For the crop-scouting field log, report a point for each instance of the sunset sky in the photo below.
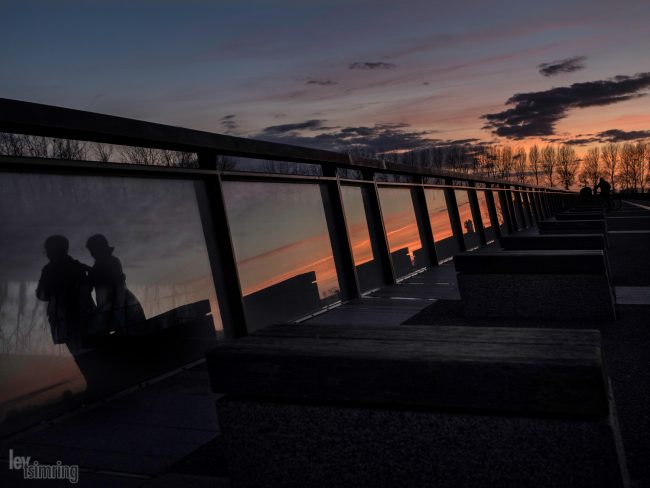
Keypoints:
(390, 75)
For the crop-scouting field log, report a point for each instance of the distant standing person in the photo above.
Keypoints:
(64, 285)
(118, 310)
(605, 191)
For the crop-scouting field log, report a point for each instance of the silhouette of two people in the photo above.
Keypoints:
(67, 284)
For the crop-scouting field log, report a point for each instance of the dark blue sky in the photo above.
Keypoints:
(388, 74)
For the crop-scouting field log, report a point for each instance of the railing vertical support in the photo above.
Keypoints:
(520, 206)
(506, 207)
(376, 228)
(424, 224)
(454, 215)
(492, 211)
(223, 262)
(340, 239)
(479, 228)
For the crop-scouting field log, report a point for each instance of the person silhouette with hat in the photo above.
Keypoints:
(118, 310)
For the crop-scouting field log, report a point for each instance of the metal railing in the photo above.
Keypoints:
(518, 205)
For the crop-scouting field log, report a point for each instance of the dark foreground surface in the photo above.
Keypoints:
(166, 433)
(626, 345)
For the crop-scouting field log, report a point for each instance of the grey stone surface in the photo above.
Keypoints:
(547, 296)
(571, 226)
(143, 432)
(516, 371)
(554, 242)
(633, 295)
(580, 216)
(174, 480)
(304, 445)
(628, 223)
(629, 257)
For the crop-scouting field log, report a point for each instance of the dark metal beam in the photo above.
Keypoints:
(46, 120)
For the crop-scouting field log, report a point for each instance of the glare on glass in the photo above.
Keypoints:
(443, 236)
(283, 250)
(466, 219)
(368, 267)
(485, 215)
(401, 230)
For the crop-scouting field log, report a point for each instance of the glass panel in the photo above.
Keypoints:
(364, 249)
(104, 282)
(527, 196)
(401, 230)
(466, 219)
(522, 215)
(519, 218)
(283, 250)
(485, 215)
(499, 210)
(443, 236)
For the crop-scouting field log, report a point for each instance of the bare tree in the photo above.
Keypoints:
(640, 165)
(535, 162)
(13, 144)
(103, 152)
(548, 163)
(610, 157)
(140, 155)
(68, 149)
(456, 158)
(504, 162)
(521, 166)
(567, 165)
(633, 166)
(591, 168)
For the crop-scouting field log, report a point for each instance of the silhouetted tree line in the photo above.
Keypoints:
(626, 166)
(54, 148)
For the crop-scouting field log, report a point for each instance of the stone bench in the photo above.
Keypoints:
(406, 406)
(580, 216)
(560, 284)
(553, 242)
(628, 257)
(572, 226)
(628, 223)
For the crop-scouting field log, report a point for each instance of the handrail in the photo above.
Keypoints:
(46, 120)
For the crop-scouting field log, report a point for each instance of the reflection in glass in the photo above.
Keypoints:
(518, 217)
(499, 211)
(485, 215)
(104, 282)
(529, 203)
(466, 219)
(401, 230)
(368, 266)
(284, 255)
(520, 210)
(443, 236)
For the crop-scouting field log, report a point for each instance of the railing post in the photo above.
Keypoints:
(532, 207)
(538, 206)
(492, 210)
(340, 239)
(509, 212)
(376, 227)
(424, 224)
(520, 206)
(454, 215)
(476, 214)
(544, 199)
(221, 254)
